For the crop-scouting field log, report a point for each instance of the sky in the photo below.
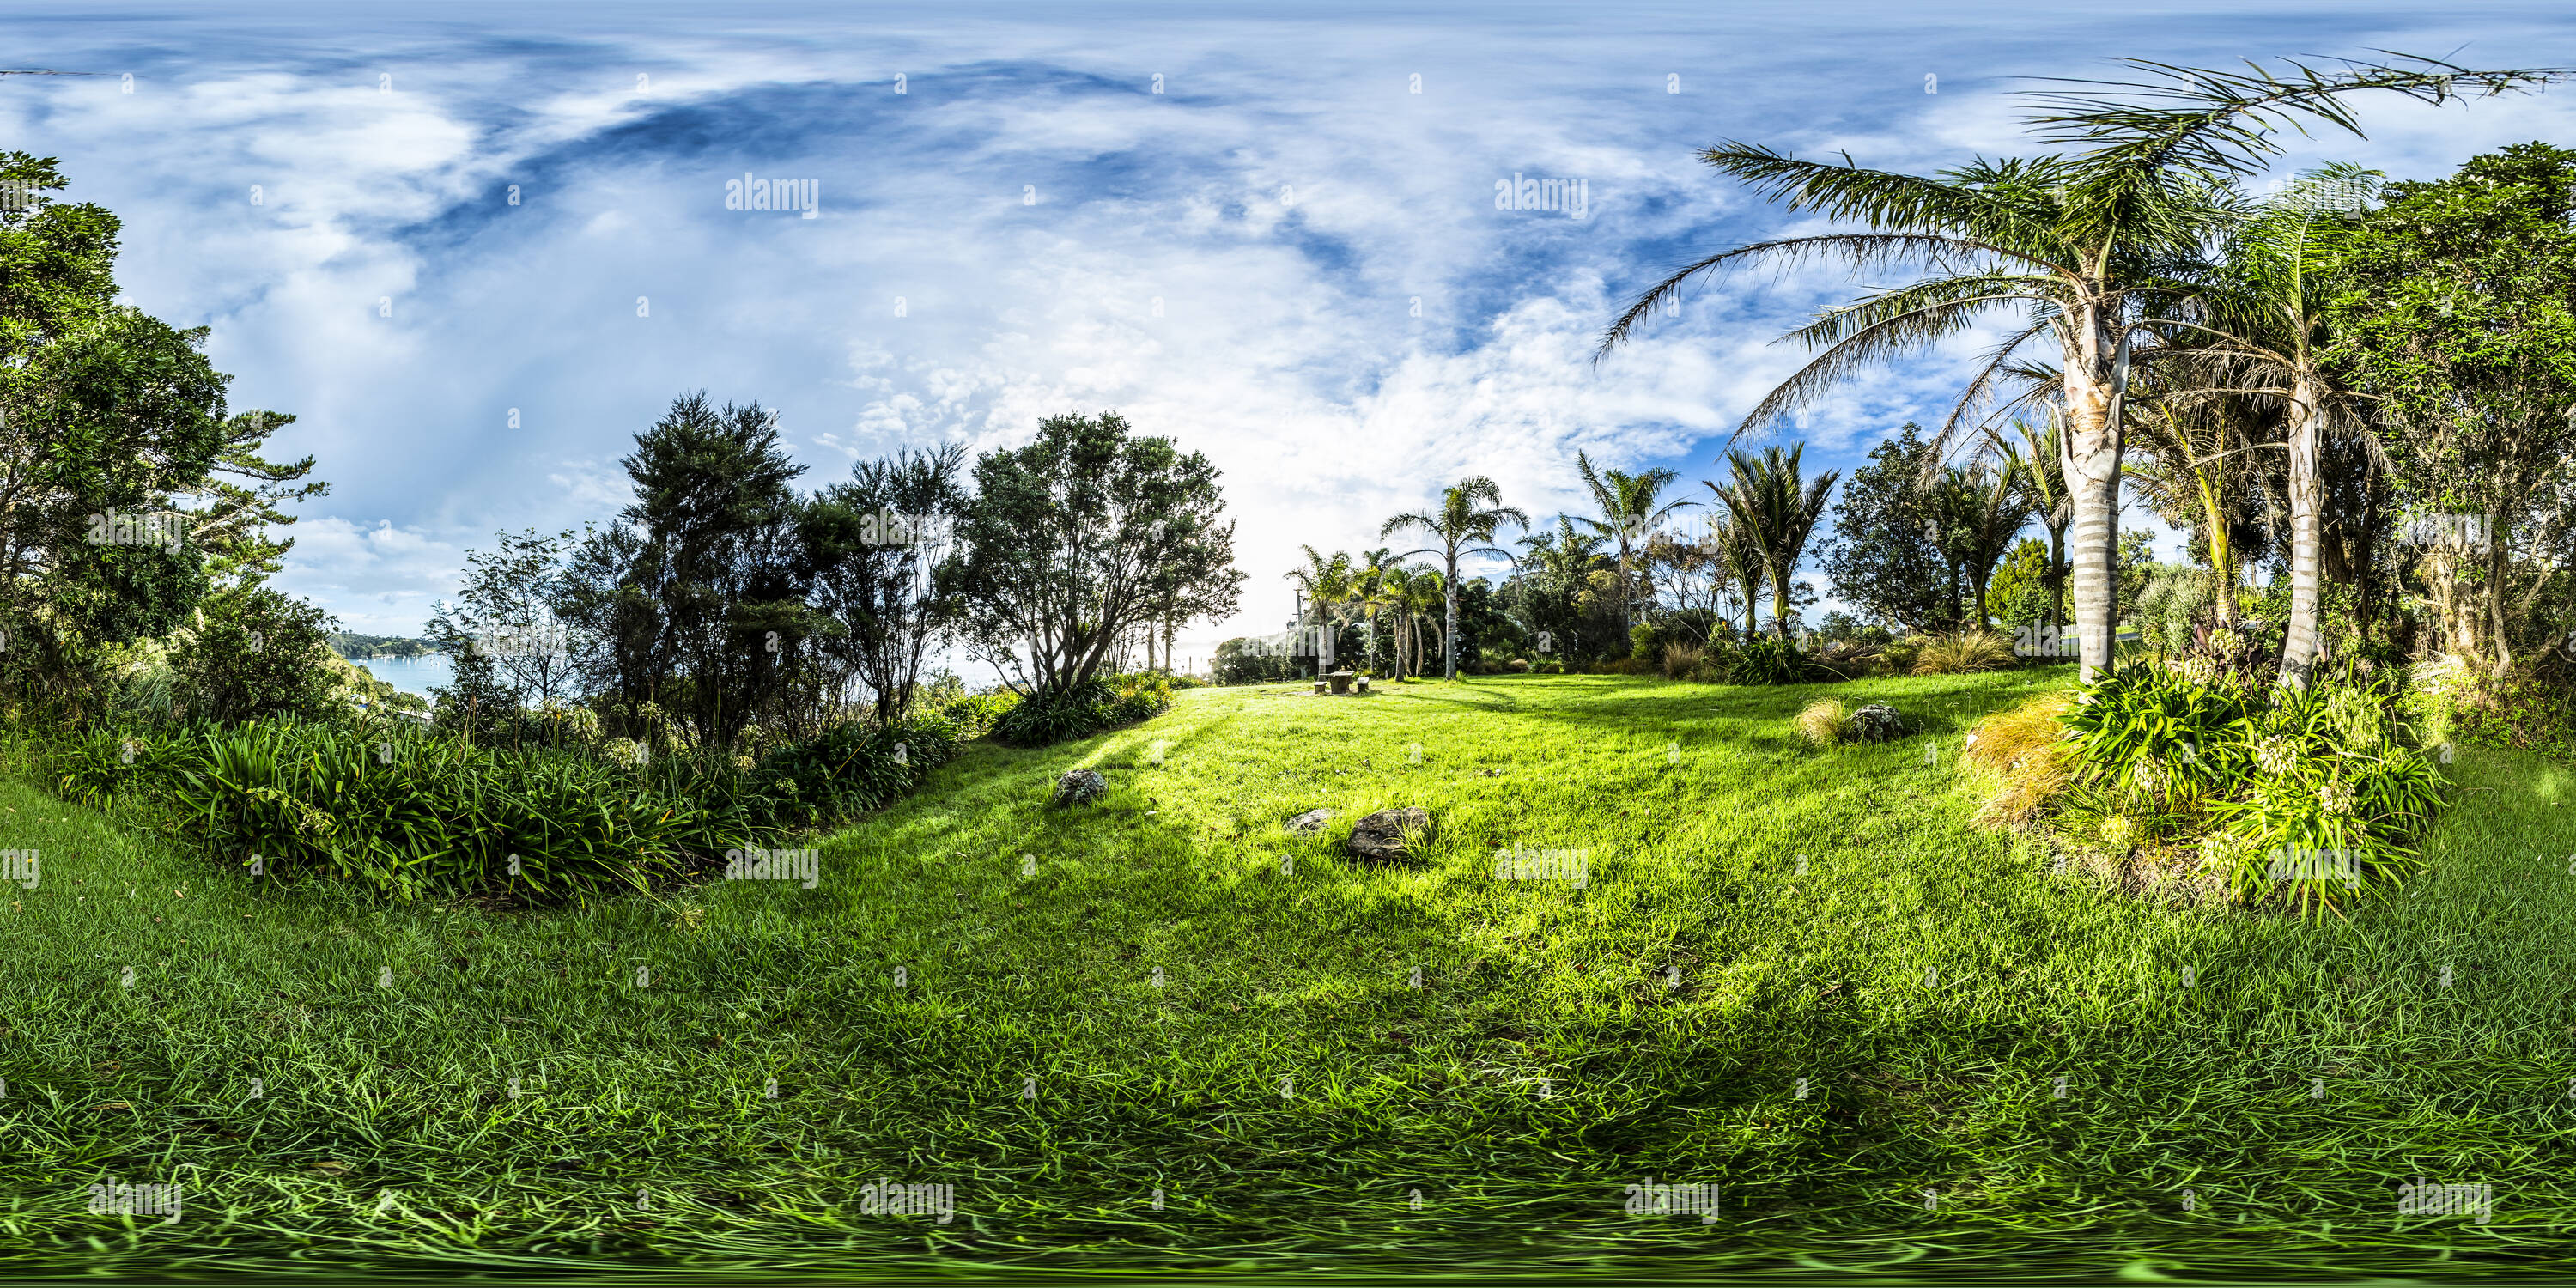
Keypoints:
(475, 248)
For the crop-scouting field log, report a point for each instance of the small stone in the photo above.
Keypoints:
(1078, 786)
(1310, 822)
(1877, 722)
(1385, 834)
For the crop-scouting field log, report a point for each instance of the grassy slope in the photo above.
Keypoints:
(1543, 1064)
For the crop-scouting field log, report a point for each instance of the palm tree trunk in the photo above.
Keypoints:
(2299, 647)
(2057, 583)
(2093, 410)
(1449, 631)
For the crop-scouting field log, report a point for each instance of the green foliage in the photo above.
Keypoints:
(1884, 558)
(412, 816)
(255, 653)
(2019, 595)
(1083, 536)
(1645, 643)
(1765, 659)
(1095, 706)
(852, 768)
(2182, 750)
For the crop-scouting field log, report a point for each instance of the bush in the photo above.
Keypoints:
(255, 653)
(1099, 704)
(412, 815)
(1821, 724)
(2179, 751)
(850, 769)
(2026, 754)
(977, 713)
(1963, 653)
(1845, 659)
(1767, 659)
(1680, 660)
(1645, 643)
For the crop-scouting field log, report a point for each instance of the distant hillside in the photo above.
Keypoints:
(358, 646)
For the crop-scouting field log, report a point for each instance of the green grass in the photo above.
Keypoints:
(1545, 1062)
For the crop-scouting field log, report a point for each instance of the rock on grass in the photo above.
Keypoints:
(1384, 835)
(1078, 786)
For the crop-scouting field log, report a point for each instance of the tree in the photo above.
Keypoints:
(1784, 510)
(1886, 558)
(1738, 544)
(106, 414)
(1080, 537)
(872, 551)
(2040, 456)
(1469, 515)
(2458, 319)
(506, 613)
(693, 598)
(1327, 585)
(1628, 512)
(2084, 243)
(1985, 509)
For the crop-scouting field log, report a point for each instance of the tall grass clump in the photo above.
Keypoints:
(1963, 653)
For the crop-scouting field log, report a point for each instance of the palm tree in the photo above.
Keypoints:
(1461, 528)
(2192, 443)
(2084, 244)
(2268, 312)
(1368, 590)
(1628, 510)
(2040, 456)
(1738, 543)
(1781, 510)
(1987, 509)
(1424, 589)
(1327, 583)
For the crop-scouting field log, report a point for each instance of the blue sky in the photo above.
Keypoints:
(1345, 321)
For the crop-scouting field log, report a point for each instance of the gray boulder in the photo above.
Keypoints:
(1383, 836)
(1310, 822)
(1877, 722)
(1078, 786)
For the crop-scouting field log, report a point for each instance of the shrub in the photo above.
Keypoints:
(255, 653)
(1900, 655)
(1767, 659)
(977, 713)
(1682, 659)
(1644, 643)
(411, 815)
(1094, 706)
(2326, 767)
(851, 768)
(1963, 653)
(1821, 724)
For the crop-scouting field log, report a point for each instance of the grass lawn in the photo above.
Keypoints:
(1156, 1029)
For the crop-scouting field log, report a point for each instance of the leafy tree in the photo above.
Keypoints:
(1469, 515)
(1081, 537)
(2020, 593)
(506, 617)
(105, 414)
(2459, 322)
(255, 652)
(871, 551)
(1982, 511)
(1886, 557)
(693, 599)
(2086, 246)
